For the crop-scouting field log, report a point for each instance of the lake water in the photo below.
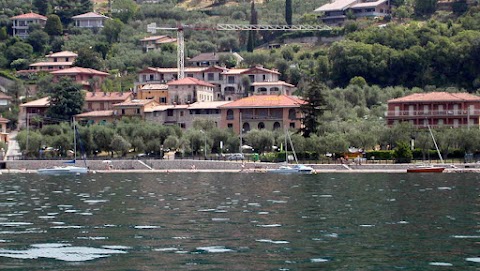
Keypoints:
(200, 221)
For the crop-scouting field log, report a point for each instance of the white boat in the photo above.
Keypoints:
(295, 169)
(63, 170)
(291, 169)
(58, 170)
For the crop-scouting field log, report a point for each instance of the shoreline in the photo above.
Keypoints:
(244, 171)
(213, 166)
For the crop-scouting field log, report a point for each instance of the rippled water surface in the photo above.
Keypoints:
(200, 221)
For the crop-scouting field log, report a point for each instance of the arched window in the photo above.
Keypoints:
(292, 114)
(274, 90)
(230, 114)
(276, 125)
(246, 127)
(262, 90)
(261, 126)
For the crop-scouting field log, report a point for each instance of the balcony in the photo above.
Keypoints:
(415, 114)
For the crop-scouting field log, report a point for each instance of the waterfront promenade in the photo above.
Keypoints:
(152, 166)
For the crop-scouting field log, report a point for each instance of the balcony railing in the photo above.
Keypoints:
(434, 113)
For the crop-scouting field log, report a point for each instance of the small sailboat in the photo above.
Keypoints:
(291, 169)
(428, 168)
(70, 169)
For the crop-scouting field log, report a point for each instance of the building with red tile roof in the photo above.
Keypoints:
(133, 108)
(436, 109)
(21, 23)
(262, 112)
(32, 109)
(53, 62)
(90, 79)
(90, 20)
(156, 42)
(100, 101)
(229, 83)
(189, 90)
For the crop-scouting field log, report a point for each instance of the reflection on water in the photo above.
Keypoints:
(203, 221)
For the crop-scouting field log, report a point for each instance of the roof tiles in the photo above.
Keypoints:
(436, 97)
(267, 101)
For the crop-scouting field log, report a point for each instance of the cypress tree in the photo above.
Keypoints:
(252, 34)
(288, 11)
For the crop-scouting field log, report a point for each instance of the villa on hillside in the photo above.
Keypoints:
(211, 59)
(156, 42)
(32, 110)
(22, 23)
(336, 13)
(437, 109)
(229, 84)
(53, 62)
(99, 101)
(90, 79)
(90, 20)
(270, 112)
(183, 116)
(189, 90)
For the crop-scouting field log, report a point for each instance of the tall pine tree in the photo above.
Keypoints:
(252, 34)
(314, 107)
(288, 11)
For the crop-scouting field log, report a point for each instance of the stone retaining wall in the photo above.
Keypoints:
(199, 164)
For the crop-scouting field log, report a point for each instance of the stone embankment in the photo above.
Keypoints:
(213, 166)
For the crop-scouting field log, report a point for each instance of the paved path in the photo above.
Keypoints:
(13, 150)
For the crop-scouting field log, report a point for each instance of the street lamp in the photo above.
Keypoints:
(205, 144)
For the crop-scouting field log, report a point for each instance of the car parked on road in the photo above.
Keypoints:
(236, 156)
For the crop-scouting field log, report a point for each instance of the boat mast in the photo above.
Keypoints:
(74, 142)
(435, 143)
(293, 149)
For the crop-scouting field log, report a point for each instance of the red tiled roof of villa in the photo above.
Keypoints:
(269, 101)
(97, 113)
(79, 70)
(107, 96)
(90, 15)
(436, 97)
(29, 15)
(62, 54)
(188, 81)
(135, 103)
(42, 102)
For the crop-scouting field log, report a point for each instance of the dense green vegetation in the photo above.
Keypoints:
(417, 49)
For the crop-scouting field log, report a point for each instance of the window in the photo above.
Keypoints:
(123, 111)
(292, 114)
(230, 115)
(151, 77)
(292, 124)
(181, 113)
(261, 126)
(211, 76)
(246, 127)
(231, 80)
(230, 126)
(170, 112)
(276, 125)
(138, 111)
